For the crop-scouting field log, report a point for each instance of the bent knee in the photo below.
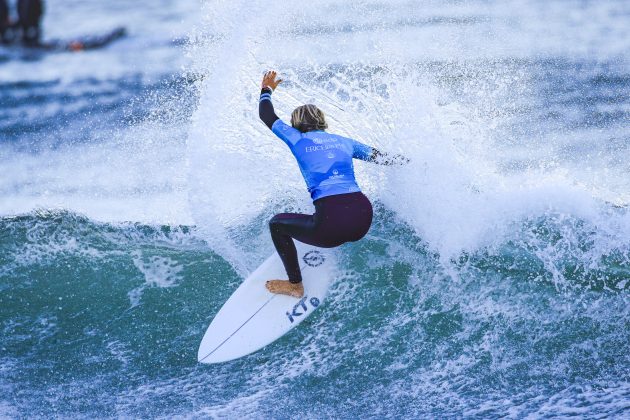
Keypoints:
(278, 222)
(274, 224)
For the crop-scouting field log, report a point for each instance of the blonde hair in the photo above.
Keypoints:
(308, 118)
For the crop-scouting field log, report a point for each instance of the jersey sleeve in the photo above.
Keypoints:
(287, 133)
(265, 107)
(361, 151)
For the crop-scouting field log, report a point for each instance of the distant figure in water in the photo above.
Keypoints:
(27, 30)
(342, 213)
(30, 14)
(6, 34)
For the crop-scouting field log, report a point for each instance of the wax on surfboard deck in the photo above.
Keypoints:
(253, 317)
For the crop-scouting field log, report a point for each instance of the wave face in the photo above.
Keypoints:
(102, 319)
(494, 281)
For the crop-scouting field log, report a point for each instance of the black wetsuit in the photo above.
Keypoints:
(29, 14)
(342, 213)
(338, 219)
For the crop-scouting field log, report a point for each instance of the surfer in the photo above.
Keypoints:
(342, 213)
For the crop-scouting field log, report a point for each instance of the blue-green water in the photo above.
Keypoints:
(105, 320)
(136, 184)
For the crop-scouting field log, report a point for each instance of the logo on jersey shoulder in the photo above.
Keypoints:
(331, 155)
(318, 140)
(314, 258)
(301, 307)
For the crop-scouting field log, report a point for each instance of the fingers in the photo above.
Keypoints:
(270, 75)
(269, 79)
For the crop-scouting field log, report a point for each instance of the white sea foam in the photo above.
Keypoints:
(157, 271)
(137, 176)
(459, 194)
(8, 411)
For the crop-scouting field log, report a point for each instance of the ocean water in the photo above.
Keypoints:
(136, 183)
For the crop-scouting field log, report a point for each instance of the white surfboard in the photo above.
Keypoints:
(253, 317)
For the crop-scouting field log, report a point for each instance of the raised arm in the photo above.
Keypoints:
(265, 108)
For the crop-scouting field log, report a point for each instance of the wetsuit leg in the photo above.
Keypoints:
(284, 227)
(4, 21)
(30, 13)
(338, 219)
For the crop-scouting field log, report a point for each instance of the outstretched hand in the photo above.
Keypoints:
(269, 80)
(386, 159)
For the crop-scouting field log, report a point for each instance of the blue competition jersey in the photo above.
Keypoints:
(324, 159)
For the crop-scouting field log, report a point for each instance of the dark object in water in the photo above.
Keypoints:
(5, 24)
(89, 42)
(30, 14)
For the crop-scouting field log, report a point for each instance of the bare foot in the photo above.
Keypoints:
(285, 287)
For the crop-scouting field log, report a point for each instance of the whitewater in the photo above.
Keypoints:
(136, 184)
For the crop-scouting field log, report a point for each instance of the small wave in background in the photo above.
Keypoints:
(137, 182)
